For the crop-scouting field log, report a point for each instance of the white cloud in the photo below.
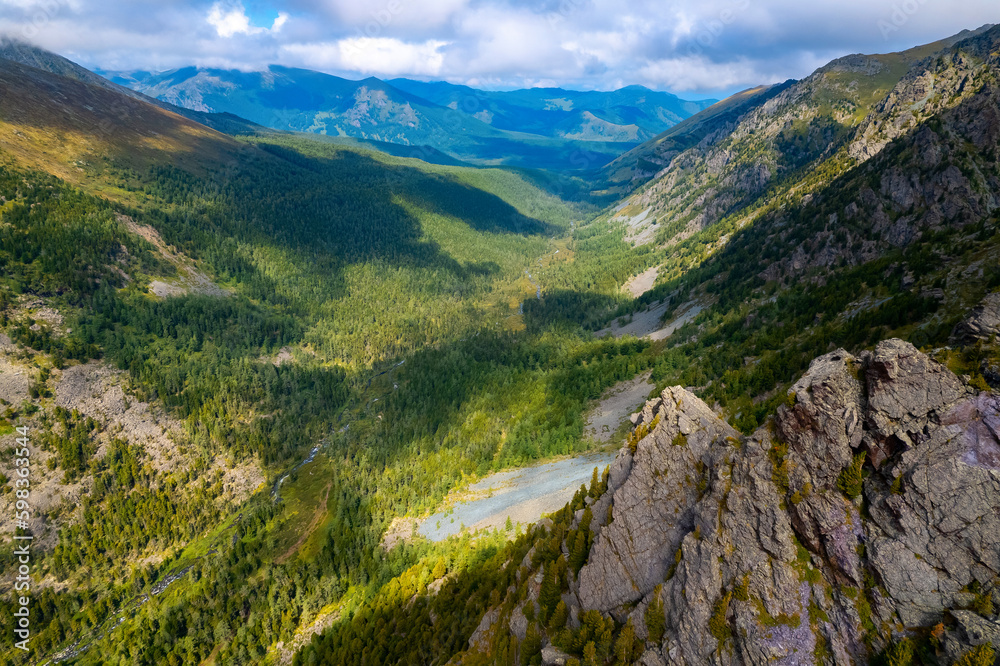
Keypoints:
(231, 19)
(381, 56)
(504, 42)
(688, 73)
(374, 18)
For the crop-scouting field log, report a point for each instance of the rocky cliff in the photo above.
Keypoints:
(796, 138)
(862, 521)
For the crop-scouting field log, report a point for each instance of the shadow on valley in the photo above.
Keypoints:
(568, 306)
(354, 194)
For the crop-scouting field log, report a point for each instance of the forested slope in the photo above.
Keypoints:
(251, 290)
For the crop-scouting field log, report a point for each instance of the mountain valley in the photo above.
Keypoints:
(262, 369)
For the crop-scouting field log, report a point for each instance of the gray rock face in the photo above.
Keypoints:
(938, 532)
(553, 657)
(939, 84)
(983, 323)
(754, 551)
(977, 629)
(628, 558)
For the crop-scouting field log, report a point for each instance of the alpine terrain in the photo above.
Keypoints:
(305, 370)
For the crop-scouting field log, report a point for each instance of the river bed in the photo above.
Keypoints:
(523, 495)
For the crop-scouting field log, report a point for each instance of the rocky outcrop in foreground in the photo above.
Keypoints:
(866, 511)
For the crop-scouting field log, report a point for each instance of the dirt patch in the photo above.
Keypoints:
(283, 356)
(641, 283)
(53, 503)
(401, 530)
(647, 324)
(97, 390)
(41, 315)
(686, 313)
(317, 519)
(14, 381)
(239, 482)
(642, 323)
(189, 279)
(615, 406)
(287, 652)
(639, 229)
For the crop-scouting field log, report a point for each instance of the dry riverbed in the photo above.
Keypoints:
(615, 406)
(522, 495)
(647, 324)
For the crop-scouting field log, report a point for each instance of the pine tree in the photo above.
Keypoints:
(440, 569)
(625, 645)
(656, 620)
(559, 617)
(579, 552)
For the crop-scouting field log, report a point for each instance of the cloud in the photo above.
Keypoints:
(371, 55)
(403, 18)
(230, 19)
(702, 47)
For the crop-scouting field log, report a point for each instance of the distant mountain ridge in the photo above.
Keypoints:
(557, 111)
(548, 127)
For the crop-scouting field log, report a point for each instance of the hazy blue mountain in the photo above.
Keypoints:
(630, 114)
(550, 128)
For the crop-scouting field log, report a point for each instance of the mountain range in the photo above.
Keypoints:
(537, 127)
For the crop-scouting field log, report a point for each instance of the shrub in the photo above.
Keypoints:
(851, 479)
(982, 655)
(717, 625)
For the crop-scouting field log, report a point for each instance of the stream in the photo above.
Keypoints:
(277, 484)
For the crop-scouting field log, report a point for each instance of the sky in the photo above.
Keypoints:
(695, 48)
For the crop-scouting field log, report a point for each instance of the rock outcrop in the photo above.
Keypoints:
(869, 507)
(983, 323)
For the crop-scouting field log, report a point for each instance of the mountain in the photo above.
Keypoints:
(643, 162)
(534, 128)
(32, 56)
(254, 367)
(633, 113)
(759, 148)
(815, 479)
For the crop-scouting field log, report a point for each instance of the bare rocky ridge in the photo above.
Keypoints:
(189, 279)
(757, 552)
(842, 115)
(98, 390)
(940, 83)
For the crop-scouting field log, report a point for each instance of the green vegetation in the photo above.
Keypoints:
(718, 625)
(291, 235)
(851, 479)
(778, 455)
(982, 655)
(655, 619)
